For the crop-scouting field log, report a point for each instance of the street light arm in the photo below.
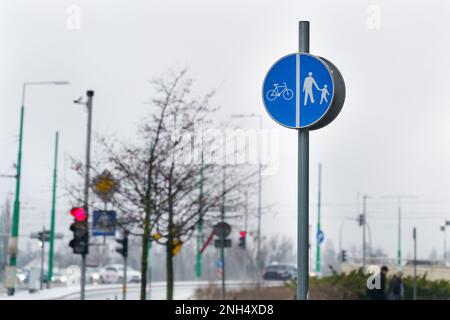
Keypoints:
(37, 83)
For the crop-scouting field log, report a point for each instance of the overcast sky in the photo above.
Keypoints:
(391, 138)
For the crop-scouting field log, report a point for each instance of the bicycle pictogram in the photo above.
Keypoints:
(279, 90)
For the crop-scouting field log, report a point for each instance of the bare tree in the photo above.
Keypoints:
(160, 173)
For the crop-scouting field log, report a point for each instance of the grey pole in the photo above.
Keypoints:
(415, 265)
(89, 94)
(303, 190)
(124, 287)
(364, 234)
(443, 229)
(245, 230)
(445, 244)
(41, 280)
(258, 252)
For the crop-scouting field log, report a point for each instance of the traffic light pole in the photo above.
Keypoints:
(124, 286)
(303, 190)
(89, 94)
(52, 222)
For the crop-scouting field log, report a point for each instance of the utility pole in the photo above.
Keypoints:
(13, 242)
(364, 222)
(52, 221)
(399, 226)
(443, 229)
(415, 265)
(88, 105)
(445, 245)
(89, 94)
(42, 245)
(318, 221)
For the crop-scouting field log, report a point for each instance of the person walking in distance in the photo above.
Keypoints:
(379, 292)
(396, 289)
(308, 84)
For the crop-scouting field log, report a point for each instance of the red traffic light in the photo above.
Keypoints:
(242, 234)
(79, 214)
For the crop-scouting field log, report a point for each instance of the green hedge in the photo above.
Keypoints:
(352, 286)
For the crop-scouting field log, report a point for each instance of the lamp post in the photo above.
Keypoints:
(399, 225)
(11, 271)
(88, 105)
(364, 221)
(443, 229)
(258, 237)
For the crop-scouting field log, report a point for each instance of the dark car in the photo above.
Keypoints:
(280, 272)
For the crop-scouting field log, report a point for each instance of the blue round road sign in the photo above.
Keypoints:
(298, 90)
(320, 236)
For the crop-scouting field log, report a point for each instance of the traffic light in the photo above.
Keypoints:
(43, 236)
(242, 235)
(79, 227)
(361, 219)
(343, 255)
(123, 245)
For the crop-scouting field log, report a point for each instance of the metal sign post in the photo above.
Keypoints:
(304, 92)
(303, 189)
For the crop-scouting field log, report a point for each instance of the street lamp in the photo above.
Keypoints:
(443, 229)
(258, 248)
(364, 219)
(399, 226)
(11, 270)
(88, 105)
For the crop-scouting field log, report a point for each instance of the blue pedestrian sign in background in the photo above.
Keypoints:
(104, 223)
(219, 264)
(298, 90)
(320, 236)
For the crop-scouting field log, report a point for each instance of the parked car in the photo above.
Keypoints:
(280, 272)
(22, 276)
(93, 274)
(58, 278)
(113, 273)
